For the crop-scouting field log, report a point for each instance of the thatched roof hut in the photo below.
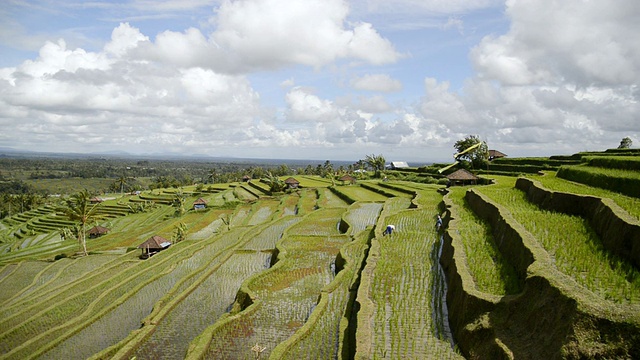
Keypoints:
(200, 204)
(462, 177)
(495, 154)
(347, 179)
(95, 200)
(153, 245)
(292, 183)
(98, 231)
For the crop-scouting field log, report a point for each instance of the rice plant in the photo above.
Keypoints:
(491, 272)
(286, 294)
(201, 308)
(20, 280)
(327, 199)
(359, 193)
(405, 286)
(116, 324)
(574, 246)
(554, 183)
(322, 336)
(402, 282)
(361, 215)
(267, 239)
(262, 212)
(323, 222)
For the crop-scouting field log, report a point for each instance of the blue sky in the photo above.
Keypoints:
(318, 79)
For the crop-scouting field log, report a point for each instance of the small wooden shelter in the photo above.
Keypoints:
(200, 204)
(495, 154)
(292, 183)
(95, 200)
(347, 179)
(97, 231)
(246, 178)
(462, 177)
(153, 245)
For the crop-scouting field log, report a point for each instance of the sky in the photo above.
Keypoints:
(319, 79)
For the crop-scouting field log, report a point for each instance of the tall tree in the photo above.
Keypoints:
(376, 162)
(625, 143)
(478, 157)
(122, 181)
(80, 210)
(179, 199)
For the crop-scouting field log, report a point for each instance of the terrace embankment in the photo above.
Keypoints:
(553, 317)
(619, 231)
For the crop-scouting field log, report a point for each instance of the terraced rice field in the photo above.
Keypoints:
(577, 250)
(401, 293)
(491, 272)
(307, 274)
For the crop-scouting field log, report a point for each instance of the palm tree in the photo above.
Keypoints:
(275, 184)
(181, 232)
(179, 199)
(79, 209)
(376, 162)
(122, 181)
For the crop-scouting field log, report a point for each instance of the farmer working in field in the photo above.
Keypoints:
(389, 230)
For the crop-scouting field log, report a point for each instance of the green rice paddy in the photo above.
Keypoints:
(303, 274)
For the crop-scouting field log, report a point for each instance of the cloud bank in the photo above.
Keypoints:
(551, 83)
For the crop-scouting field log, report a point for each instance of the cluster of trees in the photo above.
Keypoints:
(477, 158)
(16, 197)
(625, 143)
(11, 204)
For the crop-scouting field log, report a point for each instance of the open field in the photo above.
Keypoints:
(308, 273)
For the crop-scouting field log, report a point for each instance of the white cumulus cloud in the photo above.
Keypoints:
(376, 82)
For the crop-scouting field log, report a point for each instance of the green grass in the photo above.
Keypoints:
(626, 182)
(577, 250)
(554, 183)
(490, 270)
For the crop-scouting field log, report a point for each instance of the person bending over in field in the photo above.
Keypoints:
(389, 230)
(438, 223)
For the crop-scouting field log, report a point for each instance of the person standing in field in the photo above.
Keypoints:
(438, 223)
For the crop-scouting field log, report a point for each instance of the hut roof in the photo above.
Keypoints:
(461, 174)
(496, 153)
(155, 242)
(98, 230)
(200, 201)
(347, 178)
(399, 164)
(291, 180)
(246, 178)
(95, 199)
